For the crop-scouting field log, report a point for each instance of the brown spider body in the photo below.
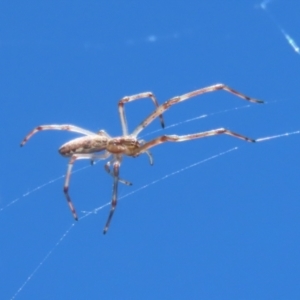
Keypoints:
(91, 144)
(123, 145)
(84, 145)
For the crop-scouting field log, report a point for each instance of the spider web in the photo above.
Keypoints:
(266, 7)
(167, 176)
(147, 185)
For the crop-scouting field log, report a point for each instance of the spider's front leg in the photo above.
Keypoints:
(139, 96)
(116, 168)
(188, 137)
(165, 106)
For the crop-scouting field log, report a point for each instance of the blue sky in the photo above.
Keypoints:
(227, 228)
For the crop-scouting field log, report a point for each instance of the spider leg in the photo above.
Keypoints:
(107, 169)
(165, 106)
(150, 157)
(127, 99)
(183, 138)
(56, 127)
(66, 187)
(69, 172)
(116, 167)
(148, 153)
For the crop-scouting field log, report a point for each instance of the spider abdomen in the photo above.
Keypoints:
(82, 145)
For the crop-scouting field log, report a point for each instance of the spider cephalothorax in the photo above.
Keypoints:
(96, 146)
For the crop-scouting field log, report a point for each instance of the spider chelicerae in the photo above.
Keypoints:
(91, 144)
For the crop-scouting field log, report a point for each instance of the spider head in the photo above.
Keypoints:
(123, 145)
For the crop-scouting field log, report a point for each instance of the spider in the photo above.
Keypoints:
(89, 146)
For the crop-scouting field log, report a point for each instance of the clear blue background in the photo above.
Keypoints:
(226, 229)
